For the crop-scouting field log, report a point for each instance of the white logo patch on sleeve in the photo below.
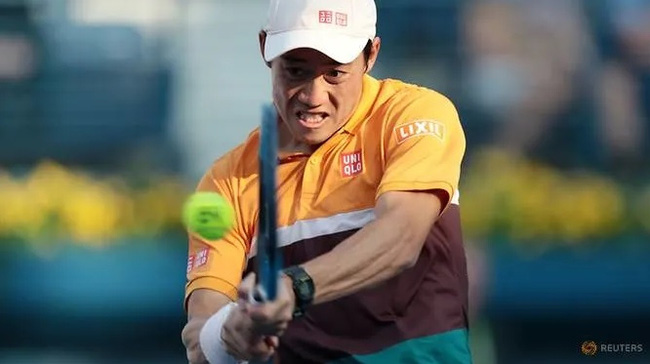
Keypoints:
(419, 128)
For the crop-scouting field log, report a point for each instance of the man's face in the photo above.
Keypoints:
(314, 94)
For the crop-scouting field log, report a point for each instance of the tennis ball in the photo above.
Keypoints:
(208, 215)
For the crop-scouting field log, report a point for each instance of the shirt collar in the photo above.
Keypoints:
(368, 96)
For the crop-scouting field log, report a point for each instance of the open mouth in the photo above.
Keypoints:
(311, 120)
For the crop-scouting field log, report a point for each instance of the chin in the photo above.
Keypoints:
(310, 136)
(313, 138)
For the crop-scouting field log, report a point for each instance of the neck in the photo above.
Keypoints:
(288, 144)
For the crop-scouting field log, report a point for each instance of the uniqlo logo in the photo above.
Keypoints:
(351, 164)
(201, 258)
(342, 19)
(325, 16)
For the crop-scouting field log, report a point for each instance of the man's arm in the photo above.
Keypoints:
(214, 328)
(202, 304)
(227, 336)
(381, 249)
(374, 254)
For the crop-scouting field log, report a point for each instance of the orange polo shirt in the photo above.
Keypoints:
(401, 137)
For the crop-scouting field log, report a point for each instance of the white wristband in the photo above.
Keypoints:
(210, 338)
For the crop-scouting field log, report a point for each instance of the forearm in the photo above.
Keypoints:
(201, 306)
(374, 254)
(191, 340)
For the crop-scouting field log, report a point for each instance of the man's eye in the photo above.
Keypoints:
(335, 73)
(295, 71)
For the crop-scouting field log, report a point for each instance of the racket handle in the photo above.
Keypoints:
(258, 295)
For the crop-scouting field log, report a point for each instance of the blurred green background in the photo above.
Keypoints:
(110, 110)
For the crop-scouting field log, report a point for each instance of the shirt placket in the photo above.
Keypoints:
(310, 177)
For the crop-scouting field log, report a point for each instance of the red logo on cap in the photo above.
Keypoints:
(342, 19)
(325, 16)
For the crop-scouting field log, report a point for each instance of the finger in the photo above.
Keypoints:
(270, 319)
(272, 312)
(271, 329)
(241, 342)
(235, 345)
(247, 284)
(242, 306)
(261, 313)
(270, 309)
(248, 347)
(245, 291)
(272, 341)
(236, 335)
(260, 319)
(260, 349)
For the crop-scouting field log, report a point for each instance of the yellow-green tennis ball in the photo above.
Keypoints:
(208, 215)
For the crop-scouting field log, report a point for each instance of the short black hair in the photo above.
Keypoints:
(366, 50)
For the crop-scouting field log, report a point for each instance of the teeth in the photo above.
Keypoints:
(311, 117)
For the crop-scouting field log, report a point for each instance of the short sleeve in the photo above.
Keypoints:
(218, 264)
(423, 145)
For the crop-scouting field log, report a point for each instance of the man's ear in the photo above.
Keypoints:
(374, 53)
(262, 39)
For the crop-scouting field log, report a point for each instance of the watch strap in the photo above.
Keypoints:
(303, 288)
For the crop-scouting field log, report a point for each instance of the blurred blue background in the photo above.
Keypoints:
(110, 110)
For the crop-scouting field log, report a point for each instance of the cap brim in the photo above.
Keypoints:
(339, 47)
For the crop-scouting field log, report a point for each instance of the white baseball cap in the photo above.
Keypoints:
(340, 29)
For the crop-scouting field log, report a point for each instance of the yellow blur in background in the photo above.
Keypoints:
(52, 202)
(508, 195)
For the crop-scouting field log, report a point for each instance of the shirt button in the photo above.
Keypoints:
(313, 161)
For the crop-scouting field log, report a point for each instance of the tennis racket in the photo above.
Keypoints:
(268, 257)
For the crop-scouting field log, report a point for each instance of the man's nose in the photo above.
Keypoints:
(314, 93)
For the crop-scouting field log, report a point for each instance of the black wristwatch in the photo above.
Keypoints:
(303, 288)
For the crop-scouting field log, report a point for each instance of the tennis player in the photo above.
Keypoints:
(368, 215)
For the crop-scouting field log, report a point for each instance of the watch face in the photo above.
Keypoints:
(304, 291)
